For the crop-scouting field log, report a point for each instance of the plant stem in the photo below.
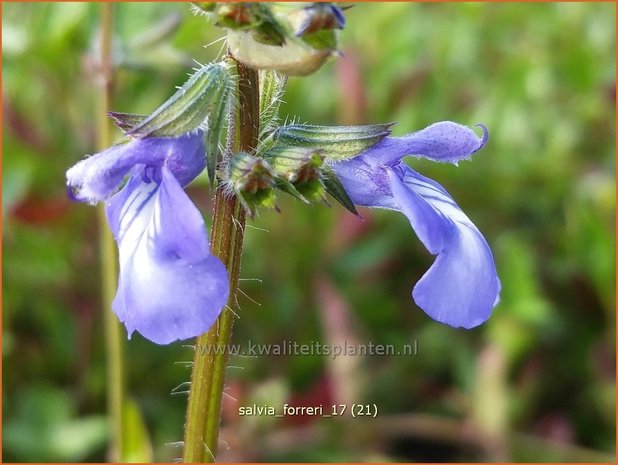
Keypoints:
(211, 354)
(107, 251)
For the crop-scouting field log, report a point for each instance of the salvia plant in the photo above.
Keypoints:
(174, 283)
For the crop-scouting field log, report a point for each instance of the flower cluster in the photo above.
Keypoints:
(278, 36)
(171, 287)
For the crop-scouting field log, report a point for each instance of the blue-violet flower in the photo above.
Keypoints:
(170, 286)
(461, 287)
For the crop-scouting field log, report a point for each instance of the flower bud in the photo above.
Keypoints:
(252, 180)
(316, 25)
(293, 59)
(246, 16)
(264, 36)
(302, 173)
(300, 167)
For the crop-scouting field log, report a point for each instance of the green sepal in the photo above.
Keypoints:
(235, 16)
(333, 186)
(272, 86)
(263, 198)
(257, 17)
(294, 163)
(202, 101)
(317, 26)
(313, 190)
(286, 186)
(301, 168)
(309, 177)
(252, 180)
(216, 121)
(336, 142)
(269, 34)
(247, 172)
(207, 90)
(126, 121)
(269, 31)
(285, 162)
(320, 16)
(321, 40)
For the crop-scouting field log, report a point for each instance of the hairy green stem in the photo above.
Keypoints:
(107, 251)
(211, 354)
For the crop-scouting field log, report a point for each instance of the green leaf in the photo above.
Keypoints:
(136, 446)
(44, 427)
(336, 142)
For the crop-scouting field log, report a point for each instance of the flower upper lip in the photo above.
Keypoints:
(97, 177)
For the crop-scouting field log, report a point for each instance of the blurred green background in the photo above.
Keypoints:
(535, 383)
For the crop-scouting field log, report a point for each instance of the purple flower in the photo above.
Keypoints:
(170, 286)
(461, 287)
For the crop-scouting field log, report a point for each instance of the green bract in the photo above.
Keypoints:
(292, 38)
